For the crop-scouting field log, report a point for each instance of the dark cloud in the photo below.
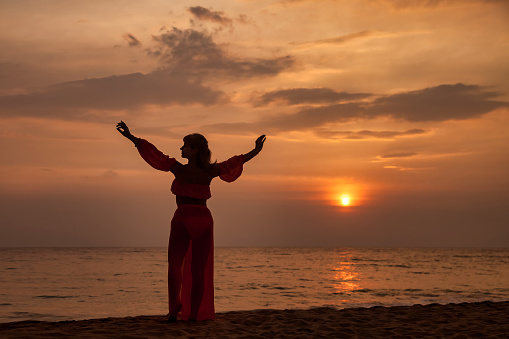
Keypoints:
(190, 59)
(440, 103)
(88, 99)
(433, 104)
(314, 117)
(131, 40)
(205, 14)
(365, 134)
(195, 52)
(297, 96)
(398, 155)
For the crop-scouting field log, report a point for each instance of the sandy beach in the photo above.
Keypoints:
(465, 320)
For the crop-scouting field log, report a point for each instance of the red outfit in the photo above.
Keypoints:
(191, 245)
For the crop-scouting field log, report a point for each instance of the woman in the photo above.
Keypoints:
(191, 245)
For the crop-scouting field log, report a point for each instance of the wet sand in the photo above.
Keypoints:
(466, 320)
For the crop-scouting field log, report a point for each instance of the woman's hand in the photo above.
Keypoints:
(123, 129)
(259, 143)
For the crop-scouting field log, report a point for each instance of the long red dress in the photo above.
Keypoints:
(191, 244)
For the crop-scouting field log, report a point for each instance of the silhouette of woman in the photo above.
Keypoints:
(191, 244)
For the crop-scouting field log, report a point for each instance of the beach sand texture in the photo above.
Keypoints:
(466, 320)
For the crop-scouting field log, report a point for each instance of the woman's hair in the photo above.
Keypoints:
(199, 143)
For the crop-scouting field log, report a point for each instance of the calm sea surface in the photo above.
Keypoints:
(78, 283)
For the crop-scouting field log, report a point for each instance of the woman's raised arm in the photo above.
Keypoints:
(258, 147)
(148, 152)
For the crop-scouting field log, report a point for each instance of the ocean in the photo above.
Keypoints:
(54, 284)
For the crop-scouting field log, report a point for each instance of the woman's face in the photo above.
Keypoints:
(187, 151)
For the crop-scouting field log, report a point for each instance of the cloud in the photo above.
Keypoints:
(189, 60)
(131, 40)
(398, 155)
(313, 117)
(195, 52)
(82, 99)
(297, 96)
(338, 40)
(205, 14)
(106, 175)
(433, 104)
(365, 134)
(440, 103)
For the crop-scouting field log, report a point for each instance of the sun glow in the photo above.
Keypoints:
(345, 199)
(346, 195)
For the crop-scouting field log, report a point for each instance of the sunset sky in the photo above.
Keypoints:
(401, 105)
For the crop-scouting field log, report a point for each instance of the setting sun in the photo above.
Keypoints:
(346, 193)
(345, 200)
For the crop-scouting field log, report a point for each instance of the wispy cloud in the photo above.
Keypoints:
(367, 134)
(205, 14)
(132, 40)
(398, 155)
(339, 39)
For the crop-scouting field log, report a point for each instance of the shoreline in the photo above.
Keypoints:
(465, 320)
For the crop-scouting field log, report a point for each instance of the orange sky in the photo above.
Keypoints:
(402, 107)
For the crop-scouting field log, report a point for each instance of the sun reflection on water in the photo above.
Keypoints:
(346, 278)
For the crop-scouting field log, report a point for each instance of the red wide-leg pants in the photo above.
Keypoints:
(191, 263)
